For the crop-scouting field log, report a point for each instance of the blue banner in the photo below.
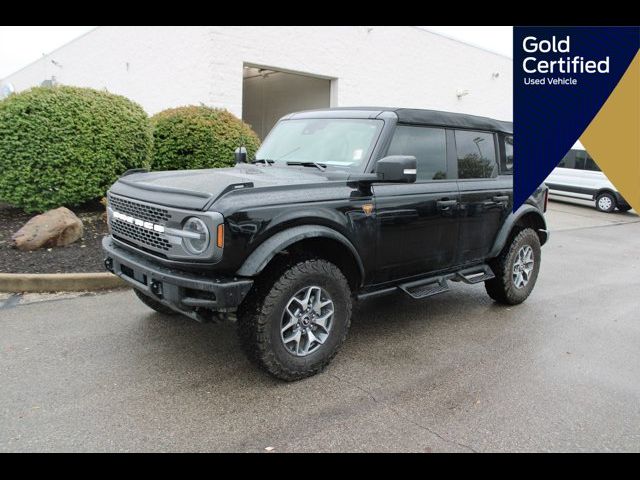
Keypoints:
(562, 77)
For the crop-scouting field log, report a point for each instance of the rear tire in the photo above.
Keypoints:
(515, 269)
(154, 304)
(605, 202)
(304, 295)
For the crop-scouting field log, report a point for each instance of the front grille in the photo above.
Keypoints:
(157, 230)
(140, 235)
(144, 212)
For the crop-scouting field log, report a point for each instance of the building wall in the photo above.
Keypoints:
(161, 67)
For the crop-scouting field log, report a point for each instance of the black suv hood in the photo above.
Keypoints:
(197, 189)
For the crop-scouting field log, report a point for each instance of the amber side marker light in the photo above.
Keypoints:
(220, 236)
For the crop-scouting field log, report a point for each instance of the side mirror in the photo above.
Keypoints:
(397, 168)
(240, 155)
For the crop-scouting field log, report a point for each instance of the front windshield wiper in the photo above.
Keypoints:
(266, 161)
(319, 166)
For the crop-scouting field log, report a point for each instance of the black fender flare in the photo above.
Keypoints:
(512, 219)
(262, 255)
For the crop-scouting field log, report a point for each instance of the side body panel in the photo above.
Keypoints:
(571, 182)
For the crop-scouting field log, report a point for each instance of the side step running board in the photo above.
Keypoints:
(476, 274)
(425, 288)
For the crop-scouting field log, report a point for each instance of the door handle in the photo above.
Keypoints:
(446, 204)
(501, 198)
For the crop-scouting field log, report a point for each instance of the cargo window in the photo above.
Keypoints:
(581, 159)
(569, 160)
(476, 152)
(590, 164)
(428, 145)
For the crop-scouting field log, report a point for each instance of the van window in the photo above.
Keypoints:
(569, 160)
(428, 145)
(476, 152)
(591, 165)
(581, 159)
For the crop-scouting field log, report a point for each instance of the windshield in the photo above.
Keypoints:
(331, 142)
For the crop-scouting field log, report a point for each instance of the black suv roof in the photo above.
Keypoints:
(412, 116)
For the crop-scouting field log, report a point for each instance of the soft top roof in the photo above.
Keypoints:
(414, 116)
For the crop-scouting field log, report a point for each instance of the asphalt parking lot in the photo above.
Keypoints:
(451, 373)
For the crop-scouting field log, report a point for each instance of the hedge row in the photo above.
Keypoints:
(67, 145)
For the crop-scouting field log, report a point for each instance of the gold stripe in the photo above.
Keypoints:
(613, 137)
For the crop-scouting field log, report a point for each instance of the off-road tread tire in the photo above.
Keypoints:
(501, 288)
(260, 308)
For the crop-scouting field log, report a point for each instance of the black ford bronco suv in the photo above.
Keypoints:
(338, 205)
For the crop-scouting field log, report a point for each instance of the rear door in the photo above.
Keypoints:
(417, 223)
(486, 195)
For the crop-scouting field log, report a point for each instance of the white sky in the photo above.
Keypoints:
(20, 46)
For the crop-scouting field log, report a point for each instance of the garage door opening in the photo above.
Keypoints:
(268, 94)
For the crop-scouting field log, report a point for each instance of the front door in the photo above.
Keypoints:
(417, 223)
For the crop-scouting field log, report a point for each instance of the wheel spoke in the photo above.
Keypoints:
(518, 280)
(322, 321)
(292, 322)
(319, 304)
(315, 291)
(529, 256)
(312, 338)
(292, 313)
(293, 338)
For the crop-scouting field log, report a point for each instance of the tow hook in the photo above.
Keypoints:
(108, 264)
(156, 288)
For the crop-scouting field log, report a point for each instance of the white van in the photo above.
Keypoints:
(578, 176)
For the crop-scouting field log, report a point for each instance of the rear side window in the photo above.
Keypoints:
(508, 155)
(591, 165)
(581, 159)
(476, 152)
(578, 160)
(569, 160)
(428, 145)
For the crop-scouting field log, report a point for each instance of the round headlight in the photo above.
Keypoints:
(196, 244)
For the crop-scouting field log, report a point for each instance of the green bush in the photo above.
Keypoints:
(66, 145)
(199, 137)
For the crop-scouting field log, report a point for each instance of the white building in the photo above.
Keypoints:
(262, 73)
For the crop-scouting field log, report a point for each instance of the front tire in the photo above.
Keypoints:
(515, 269)
(293, 323)
(605, 202)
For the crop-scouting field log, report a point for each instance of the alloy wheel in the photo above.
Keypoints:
(307, 321)
(523, 266)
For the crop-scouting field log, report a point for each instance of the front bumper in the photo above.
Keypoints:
(193, 294)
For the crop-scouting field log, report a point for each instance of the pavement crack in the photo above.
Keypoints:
(404, 417)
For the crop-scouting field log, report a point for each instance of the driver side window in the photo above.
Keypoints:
(428, 145)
